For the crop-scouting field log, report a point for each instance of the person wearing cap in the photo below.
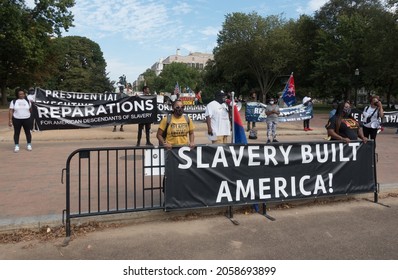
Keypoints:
(218, 119)
(307, 101)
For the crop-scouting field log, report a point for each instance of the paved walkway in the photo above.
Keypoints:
(31, 191)
(353, 230)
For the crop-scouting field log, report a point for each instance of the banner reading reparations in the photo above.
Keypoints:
(66, 110)
(232, 174)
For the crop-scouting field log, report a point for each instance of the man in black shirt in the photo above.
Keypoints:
(145, 91)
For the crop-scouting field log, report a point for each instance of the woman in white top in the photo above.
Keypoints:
(371, 118)
(19, 116)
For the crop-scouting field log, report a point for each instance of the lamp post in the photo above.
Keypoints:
(356, 73)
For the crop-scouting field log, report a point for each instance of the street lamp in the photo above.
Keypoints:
(356, 73)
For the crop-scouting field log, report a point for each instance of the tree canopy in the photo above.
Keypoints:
(253, 52)
(173, 73)
(354, 35)
(325, 52)
(76, 64)
(249, 44)
(24, 36)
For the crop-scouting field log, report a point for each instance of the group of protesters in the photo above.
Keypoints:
(177, 129)
(341, 125)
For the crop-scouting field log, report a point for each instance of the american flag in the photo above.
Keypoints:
(176, 89)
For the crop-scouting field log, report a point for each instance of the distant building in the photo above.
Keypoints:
(195, 60)
(137, 84)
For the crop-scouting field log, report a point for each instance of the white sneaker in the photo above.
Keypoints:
(16, 149)
(29, 147)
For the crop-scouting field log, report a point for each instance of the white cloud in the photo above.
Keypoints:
(134, 20)
(30, 3)
(311, 6)
(210, 31)
(182, 8)
(316, 4)
(117, 67)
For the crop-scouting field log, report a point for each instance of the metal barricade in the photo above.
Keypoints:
(113, 180)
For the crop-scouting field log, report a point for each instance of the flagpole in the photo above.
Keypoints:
(233, 117)
(230, 214)
(288, 80)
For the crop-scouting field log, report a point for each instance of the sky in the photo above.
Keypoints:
(134, 34)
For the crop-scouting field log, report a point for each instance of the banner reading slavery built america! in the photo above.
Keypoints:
(65, 110)
(220, 175)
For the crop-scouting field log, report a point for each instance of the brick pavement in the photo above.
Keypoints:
(31, 191)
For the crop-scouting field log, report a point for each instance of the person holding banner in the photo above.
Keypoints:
(253, 98)
(19, 116)
(32, 98)
(272, 112)
(176, 129)
(145, 91)
(118, 96)
(218, 119)
(307, 101)
(198, 97)
(342, 126)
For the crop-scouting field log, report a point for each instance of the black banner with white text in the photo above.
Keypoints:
(232, 174)
(67, 110)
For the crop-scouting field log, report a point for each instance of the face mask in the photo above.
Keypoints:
(178, 111)
(347, 111)
(220, 97)
(271, 102)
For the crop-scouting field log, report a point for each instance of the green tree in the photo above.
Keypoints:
(151, 80)
(181, 73)
(350, 36)
(380, 53)
(303, 32)
(76, 64)
(24, 37)
(213, 81)
(249, 44)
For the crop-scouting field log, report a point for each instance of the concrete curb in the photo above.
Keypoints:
(35, 223)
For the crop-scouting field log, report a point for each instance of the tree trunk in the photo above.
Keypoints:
(3, 95)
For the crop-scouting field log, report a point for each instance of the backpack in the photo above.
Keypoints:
(164, 135)
(253, 134)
